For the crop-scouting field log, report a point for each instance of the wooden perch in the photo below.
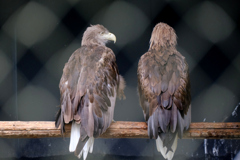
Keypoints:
(120, 129)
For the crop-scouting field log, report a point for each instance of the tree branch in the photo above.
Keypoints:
(120, 129)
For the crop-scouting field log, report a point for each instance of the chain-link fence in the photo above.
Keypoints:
(38, 37)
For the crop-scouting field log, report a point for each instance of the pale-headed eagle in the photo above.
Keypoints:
(89, 86)
(164, 90)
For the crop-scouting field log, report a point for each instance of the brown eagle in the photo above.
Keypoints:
(89, 86)
(164, 90)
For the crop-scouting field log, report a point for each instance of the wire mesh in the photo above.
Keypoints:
(38, 37)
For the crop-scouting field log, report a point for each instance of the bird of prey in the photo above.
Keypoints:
(164, 90)
(89, 86)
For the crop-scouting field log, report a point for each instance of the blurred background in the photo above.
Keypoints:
(38, 37)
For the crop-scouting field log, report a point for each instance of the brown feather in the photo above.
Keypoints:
(157, 88)
(163, 77)
(81, 142)
(173, 118)
(165, 99)
(172, 84)
(97, 109)
(89, 78)
(164, 83)
(153, 105)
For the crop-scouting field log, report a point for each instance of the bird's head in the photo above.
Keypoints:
(163, 36)
(97, 35)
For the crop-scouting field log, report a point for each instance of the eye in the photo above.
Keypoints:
(101, 32)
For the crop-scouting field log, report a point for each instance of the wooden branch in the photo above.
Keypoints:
(120, 129)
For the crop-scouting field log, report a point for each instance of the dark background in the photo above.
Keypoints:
(38, 37)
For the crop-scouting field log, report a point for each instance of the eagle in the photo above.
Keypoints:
(164, 90)
(89, 86)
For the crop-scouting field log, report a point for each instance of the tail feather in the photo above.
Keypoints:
(166, 152)
(80, 145)
(91, 141)
(88, 147)
(60, 121)
(187, 118)
(75, 135)
(168, 140)
(180, 124)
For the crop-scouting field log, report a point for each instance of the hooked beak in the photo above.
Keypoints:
(110, 37)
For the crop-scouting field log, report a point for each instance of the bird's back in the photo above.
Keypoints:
(164, 89)
(92, 73)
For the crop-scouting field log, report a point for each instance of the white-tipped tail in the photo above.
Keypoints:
(74, 137)
(163, 150)
(91, 141)
(88, 147)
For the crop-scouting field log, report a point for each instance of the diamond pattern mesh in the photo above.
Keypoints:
(38, 37)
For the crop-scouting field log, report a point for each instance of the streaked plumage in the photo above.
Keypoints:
(164, 90)
(89, 86)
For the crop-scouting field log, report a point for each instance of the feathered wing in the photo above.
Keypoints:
(164, 91)
(89, 86)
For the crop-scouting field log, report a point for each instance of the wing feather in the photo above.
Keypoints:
(88, 90)
(163, 84)
(173, 124)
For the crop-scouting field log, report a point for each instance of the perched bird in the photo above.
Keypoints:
(89, 86)
(164, 90)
